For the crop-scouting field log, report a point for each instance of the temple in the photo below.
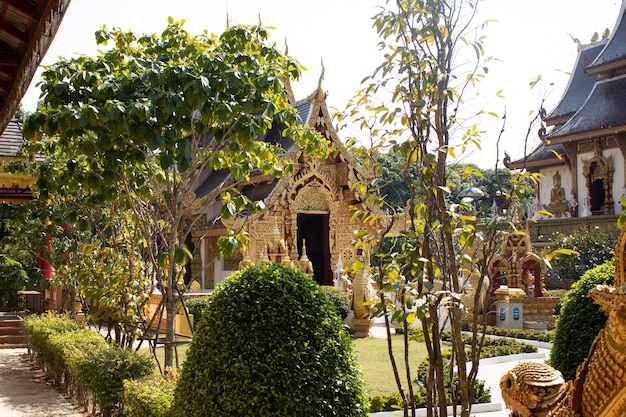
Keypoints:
(312, 208)
(583, 147)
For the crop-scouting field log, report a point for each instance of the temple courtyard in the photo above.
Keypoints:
(25, 392)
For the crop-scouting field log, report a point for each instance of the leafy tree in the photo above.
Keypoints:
(580, 321)
(13, 278)
(143, 122)
(424, 277)
(592, 247)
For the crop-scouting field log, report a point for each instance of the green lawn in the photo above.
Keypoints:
(375, 364)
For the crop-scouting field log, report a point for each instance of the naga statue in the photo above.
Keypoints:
(599, 389)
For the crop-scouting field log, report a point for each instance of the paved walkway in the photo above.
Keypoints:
(25, 393)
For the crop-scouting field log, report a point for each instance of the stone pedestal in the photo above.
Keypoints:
(509, 307)
(362, 327)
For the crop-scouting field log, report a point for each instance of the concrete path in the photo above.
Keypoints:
(25, 393)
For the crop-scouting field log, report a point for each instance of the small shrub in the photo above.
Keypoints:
(580, 321)
(482, 394)
(270, 344)
(152, 396)
(340, 299)
(103, 372)
(197, 307)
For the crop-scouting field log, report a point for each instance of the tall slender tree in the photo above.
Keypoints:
(433, 53)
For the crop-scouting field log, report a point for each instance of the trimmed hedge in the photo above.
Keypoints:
(527, 334)
(580, 321)
(103, 372)
(83, 359)
(39, 330)
(152, 396)
(482, 394)
(270, 344)
(68, 350)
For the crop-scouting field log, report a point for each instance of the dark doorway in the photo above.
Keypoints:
(597, 194)
(314, 228)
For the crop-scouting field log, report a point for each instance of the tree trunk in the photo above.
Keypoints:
(170, 326)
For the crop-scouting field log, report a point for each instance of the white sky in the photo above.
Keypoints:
(530, 37)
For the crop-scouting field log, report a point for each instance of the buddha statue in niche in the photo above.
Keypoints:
(559, 206)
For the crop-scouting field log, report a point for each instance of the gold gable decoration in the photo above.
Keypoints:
(312, 198)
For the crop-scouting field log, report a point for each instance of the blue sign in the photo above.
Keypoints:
(502, 313)
(516, 313)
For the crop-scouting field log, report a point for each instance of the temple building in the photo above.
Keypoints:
(583, 147)
(307, 221)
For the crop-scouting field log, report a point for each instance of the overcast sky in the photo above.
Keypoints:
(530, 38)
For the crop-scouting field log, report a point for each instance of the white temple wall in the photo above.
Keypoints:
(618, 178)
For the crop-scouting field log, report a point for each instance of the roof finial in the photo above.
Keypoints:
(319, 84)
(319, 94)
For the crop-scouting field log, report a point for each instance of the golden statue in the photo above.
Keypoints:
(559, 205)
(599, 390)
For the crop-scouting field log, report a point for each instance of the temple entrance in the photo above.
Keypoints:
(314, 229)
(598, 172)
(597, 193)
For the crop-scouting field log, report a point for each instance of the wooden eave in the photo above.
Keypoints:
(607, 67)
(27, 28)
(536, 165)
(590, 134)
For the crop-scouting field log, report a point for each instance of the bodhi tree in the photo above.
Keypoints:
(148, 118)
(425, 71)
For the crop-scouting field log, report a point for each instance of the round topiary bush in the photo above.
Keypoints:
(270, 344)
(580, 321)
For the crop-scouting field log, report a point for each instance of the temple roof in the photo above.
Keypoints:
(312, 111)
(27, 28)
(614, 53)
(543, 155)
(11, 139)
(603, 112)
(578, 86)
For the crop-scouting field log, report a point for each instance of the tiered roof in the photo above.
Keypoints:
(593, 104)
